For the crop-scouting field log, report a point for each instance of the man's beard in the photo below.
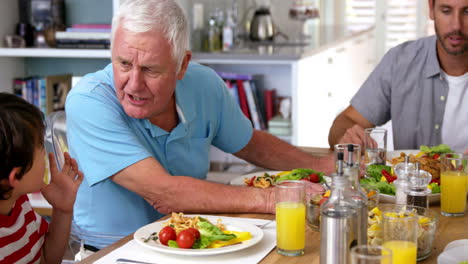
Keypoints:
(446, 48)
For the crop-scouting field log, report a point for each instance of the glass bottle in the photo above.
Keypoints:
(351, 172)
(338, 220)
(213, 36)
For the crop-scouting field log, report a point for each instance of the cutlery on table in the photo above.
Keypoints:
(265, 224)
(131, 261)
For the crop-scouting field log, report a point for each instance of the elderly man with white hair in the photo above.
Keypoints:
(142, 127)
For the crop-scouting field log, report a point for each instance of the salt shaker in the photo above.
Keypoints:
(402, 170)
(338, 220)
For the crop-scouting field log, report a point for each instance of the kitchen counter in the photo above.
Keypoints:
(283, 50)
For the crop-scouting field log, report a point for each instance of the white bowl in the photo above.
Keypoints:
(453, 255)
(456, 243)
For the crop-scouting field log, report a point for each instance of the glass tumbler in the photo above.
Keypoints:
(453, 184)
(400, 234)
(290, 218)
(367, 254)
(375, 146)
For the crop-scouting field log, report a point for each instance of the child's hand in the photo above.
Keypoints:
(61, 192)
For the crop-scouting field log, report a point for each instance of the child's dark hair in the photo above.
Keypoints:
(21, 132)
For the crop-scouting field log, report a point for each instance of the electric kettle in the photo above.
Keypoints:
(262, 27)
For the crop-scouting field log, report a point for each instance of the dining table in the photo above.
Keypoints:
(448, 229)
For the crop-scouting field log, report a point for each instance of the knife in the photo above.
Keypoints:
(128, 261)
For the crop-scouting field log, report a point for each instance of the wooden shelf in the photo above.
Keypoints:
(55, 53)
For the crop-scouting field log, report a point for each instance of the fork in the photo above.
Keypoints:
(265, 224)
(131, 261)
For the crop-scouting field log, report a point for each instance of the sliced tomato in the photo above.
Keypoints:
(313, 177)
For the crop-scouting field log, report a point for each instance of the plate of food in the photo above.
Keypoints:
(265, 179)
(382, 176)
(216, 235)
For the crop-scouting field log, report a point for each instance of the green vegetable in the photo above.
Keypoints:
(298, 174)
(172, 244)
(375, 171)
(463, 262)
(435, 188)
(440, 149)
(210, 233)
(383, 186)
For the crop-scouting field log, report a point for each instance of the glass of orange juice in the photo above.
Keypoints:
(290, 218)
(453, 184)
(400, 234)
(368, 254)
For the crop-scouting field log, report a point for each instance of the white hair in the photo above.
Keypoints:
(140, 16)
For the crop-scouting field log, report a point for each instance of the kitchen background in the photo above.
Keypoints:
(346, 40)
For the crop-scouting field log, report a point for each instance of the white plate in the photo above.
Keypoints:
(385, 198)
(233, 225)
(239, 180)
(396, 153)
(453, 255)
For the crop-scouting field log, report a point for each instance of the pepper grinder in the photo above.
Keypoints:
(417, 193)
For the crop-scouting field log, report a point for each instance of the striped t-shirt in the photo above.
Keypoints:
(22, 234)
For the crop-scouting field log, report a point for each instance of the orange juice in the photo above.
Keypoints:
(403, 252)
(453, 187)
(290, 225)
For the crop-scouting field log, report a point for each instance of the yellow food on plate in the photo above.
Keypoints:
(427, 164)
(241, 236)
(180, 222)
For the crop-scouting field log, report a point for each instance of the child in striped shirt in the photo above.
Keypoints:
(25, 237)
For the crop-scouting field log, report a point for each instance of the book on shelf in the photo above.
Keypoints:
(81, 35)
(280, 126)
(247, 92)
(270, 103)
(92, 26)
(47, 93)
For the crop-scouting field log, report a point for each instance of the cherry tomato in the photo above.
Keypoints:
(185, 239)
(314, 178)
(166, 234)
(322, 200)
(195, 232)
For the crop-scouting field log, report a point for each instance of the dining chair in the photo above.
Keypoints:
(56, 142)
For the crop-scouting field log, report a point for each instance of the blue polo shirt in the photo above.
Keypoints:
(104, 140)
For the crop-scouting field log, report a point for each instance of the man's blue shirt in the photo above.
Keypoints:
(104, 140)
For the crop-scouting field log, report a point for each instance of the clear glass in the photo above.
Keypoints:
(400, 234)
(356, 157)
(367, 254)
(313, 211)
(375, 146)
(453, 184)
(372, 195)
(290, 218)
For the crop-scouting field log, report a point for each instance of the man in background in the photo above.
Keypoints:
(421, 85)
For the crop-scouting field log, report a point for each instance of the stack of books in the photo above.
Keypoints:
(46, 93)
(84, 36)
(257, 104)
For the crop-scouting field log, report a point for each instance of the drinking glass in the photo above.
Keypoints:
(372, 194)
(367, 254)
(453, 184)
(400, 234)
(290, 218)
(375, 145)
